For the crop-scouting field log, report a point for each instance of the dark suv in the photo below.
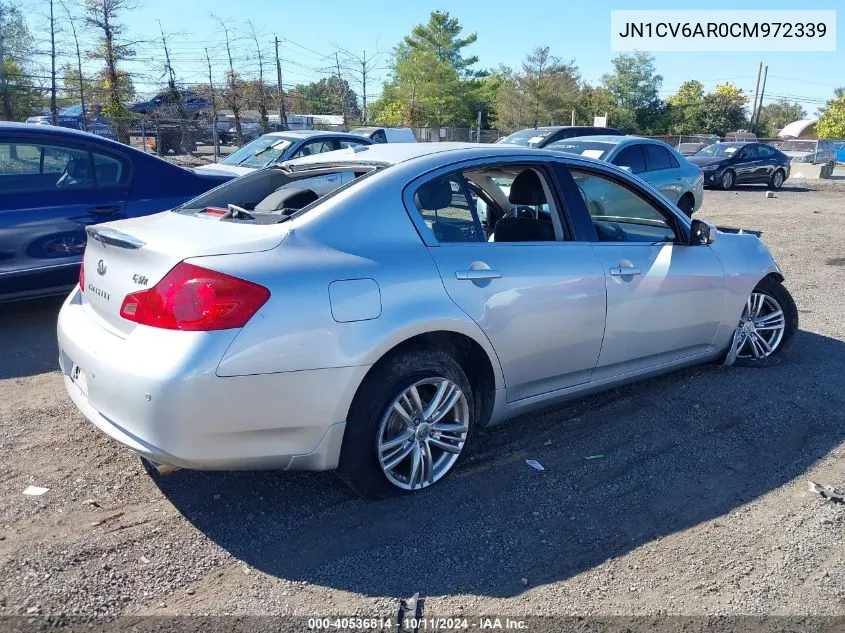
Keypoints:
(542, 136)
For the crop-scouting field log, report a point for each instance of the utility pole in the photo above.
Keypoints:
(364, 81)
(213, 110)
(341, 91)
(756, 93)
(573, 117)
(762, 94)
(283, 121)
(78, 68)
(478, 136)
(54, 109)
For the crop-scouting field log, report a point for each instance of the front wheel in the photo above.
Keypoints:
(767, 326)
(408, 425)
(777, 180)
(727, 180)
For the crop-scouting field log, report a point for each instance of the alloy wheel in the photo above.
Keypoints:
(422, 433)
(777, 181)
(727, 180)
(761, 327)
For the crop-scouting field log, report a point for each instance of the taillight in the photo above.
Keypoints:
(194, 298)
(82, 276)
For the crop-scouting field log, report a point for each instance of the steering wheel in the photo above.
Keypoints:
(65, 180)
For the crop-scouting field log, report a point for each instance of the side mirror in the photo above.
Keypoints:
(702, 232)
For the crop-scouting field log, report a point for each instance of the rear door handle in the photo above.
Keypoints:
(477, 273)
(625, 271)
(107, 210)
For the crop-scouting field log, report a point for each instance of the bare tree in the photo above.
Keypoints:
(261, 93)
(72, 23)
(233, 95)
(103, 15)
(54, 109)
(177, 101)
(359, 68)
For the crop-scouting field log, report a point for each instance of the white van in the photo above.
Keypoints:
(386, 134)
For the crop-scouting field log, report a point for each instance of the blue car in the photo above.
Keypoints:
(54, 182)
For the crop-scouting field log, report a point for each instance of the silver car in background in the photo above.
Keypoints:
(654, 161)
(374, 329)
(810, 152)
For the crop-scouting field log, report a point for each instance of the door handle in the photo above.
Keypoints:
(474, 274)
(107, 210)
(625, 271)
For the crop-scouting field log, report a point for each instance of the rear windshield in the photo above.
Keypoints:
(590, 149)
(273, 195)
(525, 138)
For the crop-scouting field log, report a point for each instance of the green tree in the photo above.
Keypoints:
(724, 109)
(102, 16)
(832, 117)
(686, 109)
(774, 116)
(16, 88)
(324, 97)
(441, 36)
(544, 93)
(430, 82)
(595, 101)
(635, 85)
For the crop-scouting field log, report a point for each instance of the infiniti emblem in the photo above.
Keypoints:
(101, 267)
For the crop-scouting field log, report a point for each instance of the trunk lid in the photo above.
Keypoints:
(133, 255)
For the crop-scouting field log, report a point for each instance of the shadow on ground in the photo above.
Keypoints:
(622, 469)
(28, 334)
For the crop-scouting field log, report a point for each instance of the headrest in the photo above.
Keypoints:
(524, 230)
(527, 189)
(436, 194)
(286, 199)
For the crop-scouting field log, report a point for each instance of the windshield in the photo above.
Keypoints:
(525, 138)
(590, 149)
(74, 110)
(263, 151)
(798, 146)
(719, 150)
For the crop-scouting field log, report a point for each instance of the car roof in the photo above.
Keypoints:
(55, 132)
(311, 133)
(614, 139)
(396, 153)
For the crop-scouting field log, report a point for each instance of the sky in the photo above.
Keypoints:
(310, 32)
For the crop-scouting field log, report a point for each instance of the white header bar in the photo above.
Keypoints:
(758, 30)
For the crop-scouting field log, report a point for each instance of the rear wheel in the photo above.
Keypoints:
(408, 425)
(767, 326)
(727, 180)
(777, 179)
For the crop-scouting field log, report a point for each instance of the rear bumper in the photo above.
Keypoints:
(157, 393)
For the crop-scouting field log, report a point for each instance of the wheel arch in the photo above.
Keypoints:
(477, 359)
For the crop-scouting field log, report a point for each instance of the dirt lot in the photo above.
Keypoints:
(698, 503)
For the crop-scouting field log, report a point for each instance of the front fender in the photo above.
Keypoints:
(746, 260)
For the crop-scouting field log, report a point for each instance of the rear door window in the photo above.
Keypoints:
(26, 166)
(447, 210)
(631, 156)
(658, 158)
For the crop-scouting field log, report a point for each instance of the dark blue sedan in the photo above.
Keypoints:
(54, 182)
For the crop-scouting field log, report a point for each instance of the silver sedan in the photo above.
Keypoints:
(374, 329)
(659, 164)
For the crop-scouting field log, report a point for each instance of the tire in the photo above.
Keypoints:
(777, 180)
(686, 204)
(372, 417)
(772, 288)
(727, 180)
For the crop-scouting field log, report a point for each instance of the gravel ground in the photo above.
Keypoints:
(698, 503)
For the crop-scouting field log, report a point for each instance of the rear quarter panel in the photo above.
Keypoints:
(354, 235)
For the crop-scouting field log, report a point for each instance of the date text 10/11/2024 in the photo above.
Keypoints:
(421, 624)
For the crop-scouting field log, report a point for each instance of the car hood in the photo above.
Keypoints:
(221, 169)
(703, 161)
